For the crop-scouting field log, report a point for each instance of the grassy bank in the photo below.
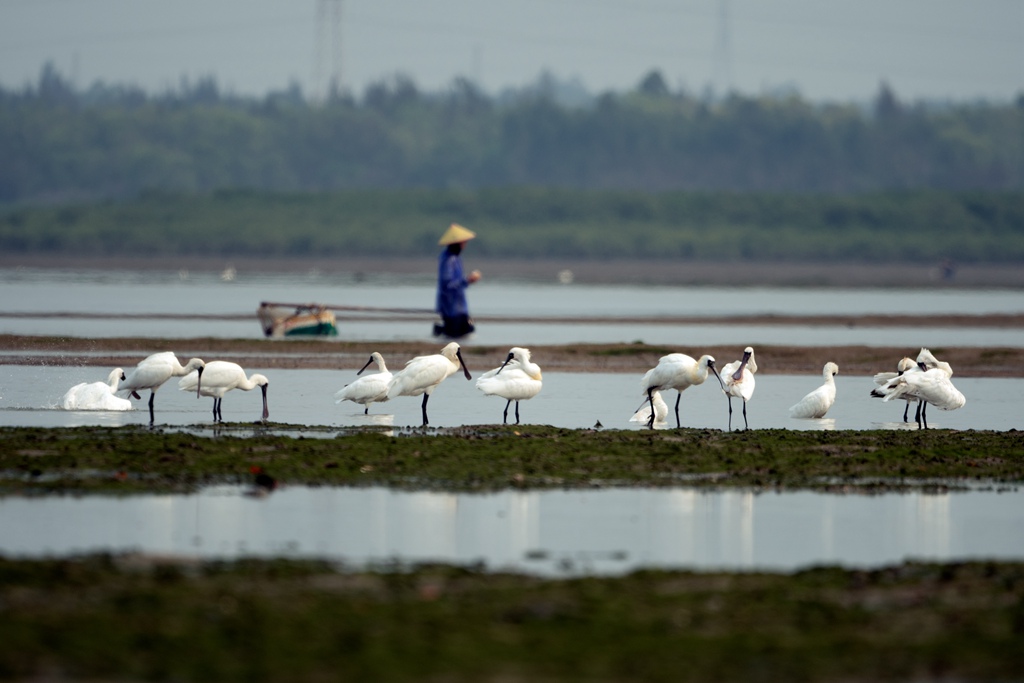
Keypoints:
(132, 618)
(491, 458)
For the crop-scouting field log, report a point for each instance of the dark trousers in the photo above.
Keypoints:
(454, 327)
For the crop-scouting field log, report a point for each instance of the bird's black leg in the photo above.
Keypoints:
(746, 426)
(924, 416)
(152, 396)
(679, 395)
(366, 409)
(905, 410)
(517, 412)
(730, 411)
(215, 409)
(424, 407)
(650, 399)
(504, 415)
(917, 414)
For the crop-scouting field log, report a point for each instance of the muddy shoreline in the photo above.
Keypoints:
(625, 358)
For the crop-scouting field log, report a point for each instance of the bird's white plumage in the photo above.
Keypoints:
(643, 413)
(218, 378)
(422, 374)
(931, 386)
(676, 371)
(740, 383)
(738, 380)
(153, 371)
(517, 379)
(367, 389)
(818, 402)
(96, 395)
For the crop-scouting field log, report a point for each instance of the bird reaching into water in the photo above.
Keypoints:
(152, 372)
(218, 378)
(517, 379)
(676, 371)
(738, 380)
(818, 402)
(368, 389)
(96, 395)
(423, 374)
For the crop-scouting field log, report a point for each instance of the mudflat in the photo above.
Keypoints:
(334, 354)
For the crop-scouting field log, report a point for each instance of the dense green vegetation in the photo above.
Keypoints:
(144, 619)
(494, 458)
(530, 222)
(61, 144)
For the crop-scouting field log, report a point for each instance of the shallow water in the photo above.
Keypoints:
(232, 307)
(29, 396)
(552, 533)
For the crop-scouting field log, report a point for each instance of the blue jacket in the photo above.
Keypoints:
(451, 286)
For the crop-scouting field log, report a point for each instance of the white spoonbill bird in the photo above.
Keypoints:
(218, 378)
(96, 395)
(422, 374)
(676, 371)
(369, 389)
(738, 380)
(904, 365)
(927, 386)
(643, 413)
(152, 372)
(518, 379)
(817, 403)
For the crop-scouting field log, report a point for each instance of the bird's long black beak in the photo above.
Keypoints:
(199, 381)
(738, 375)
(711, 366)
(365, 366)
(510, 357)
(465, 370)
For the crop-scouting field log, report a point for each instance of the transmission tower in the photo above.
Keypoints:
(327, 79)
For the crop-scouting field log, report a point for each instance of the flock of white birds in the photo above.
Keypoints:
(923, 381)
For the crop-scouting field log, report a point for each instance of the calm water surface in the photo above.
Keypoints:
(546, 532)
(29, 396)
(35, 291)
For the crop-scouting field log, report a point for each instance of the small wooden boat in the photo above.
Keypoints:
(297, 320)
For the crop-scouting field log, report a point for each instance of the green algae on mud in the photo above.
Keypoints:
(132, 617)
(133, 459)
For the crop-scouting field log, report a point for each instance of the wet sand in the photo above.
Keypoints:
(625, 358)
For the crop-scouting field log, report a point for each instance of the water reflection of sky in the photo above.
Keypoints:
(545, 532)
(164, 292)
(29, 396)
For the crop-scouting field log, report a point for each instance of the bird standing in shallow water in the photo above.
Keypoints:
(676, 371)
(738, 380)
(152, 372)
(904, 365)
(818, 402)
(926, 384)
(369, 389)
(422, 374)
(518, 379)
(220, 377)
(643, 413)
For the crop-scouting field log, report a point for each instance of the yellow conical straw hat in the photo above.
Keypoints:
(456, 234)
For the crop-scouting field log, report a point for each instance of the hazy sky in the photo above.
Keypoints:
(961, 49)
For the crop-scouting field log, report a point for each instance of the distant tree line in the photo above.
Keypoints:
(892, 226)
(59, 144)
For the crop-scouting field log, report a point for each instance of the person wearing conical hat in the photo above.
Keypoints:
(451, 284)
